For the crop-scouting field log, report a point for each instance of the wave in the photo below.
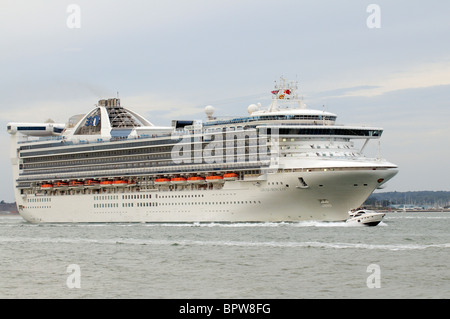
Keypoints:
(255, 224)
(249, 224)
(418, 217)
(274, 244)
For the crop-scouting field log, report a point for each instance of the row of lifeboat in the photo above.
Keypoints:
(127, 183)
(196, 179)
(87, 184)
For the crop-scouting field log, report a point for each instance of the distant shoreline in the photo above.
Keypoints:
(8, 208)
(8, 213)
(436, 210)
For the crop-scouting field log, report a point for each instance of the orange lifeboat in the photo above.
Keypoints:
(119, 183)
(196, 180)
(106, 183)
(47, 186)
(214, 179)
(230, 176)
(90, 183)
(178, 180)
(162, 181)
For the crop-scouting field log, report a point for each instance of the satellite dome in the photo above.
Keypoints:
(252, 108)
(209, 110)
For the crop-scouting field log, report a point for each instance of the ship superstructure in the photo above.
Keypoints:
(283, 163)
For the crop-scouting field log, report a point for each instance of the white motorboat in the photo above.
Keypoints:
(365, 217)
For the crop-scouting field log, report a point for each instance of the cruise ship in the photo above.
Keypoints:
(282, 163)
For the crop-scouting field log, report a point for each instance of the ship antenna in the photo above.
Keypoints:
(323, 114)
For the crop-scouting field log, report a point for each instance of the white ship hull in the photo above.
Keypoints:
(278, 198)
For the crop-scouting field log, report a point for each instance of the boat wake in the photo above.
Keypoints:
(255, 224)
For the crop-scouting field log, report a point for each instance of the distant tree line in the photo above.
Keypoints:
(7, 207)
(419, 198)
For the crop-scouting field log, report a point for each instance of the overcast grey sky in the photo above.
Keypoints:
(169, 59)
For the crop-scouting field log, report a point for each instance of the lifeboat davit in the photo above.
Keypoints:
(178, 180)
(90, 183)
(230, 176)
(61, 185)
(196, 180)
(162, 181)
(131, 183)
(76, 184)
(214, 179)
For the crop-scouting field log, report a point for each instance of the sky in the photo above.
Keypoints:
(380, 63)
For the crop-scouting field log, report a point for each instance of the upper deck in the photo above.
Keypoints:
(111, 122)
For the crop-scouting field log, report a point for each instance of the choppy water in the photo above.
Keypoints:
(410, 252)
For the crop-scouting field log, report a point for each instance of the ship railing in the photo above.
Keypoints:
(27, 139)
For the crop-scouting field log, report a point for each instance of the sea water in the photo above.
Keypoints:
(406, 256)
